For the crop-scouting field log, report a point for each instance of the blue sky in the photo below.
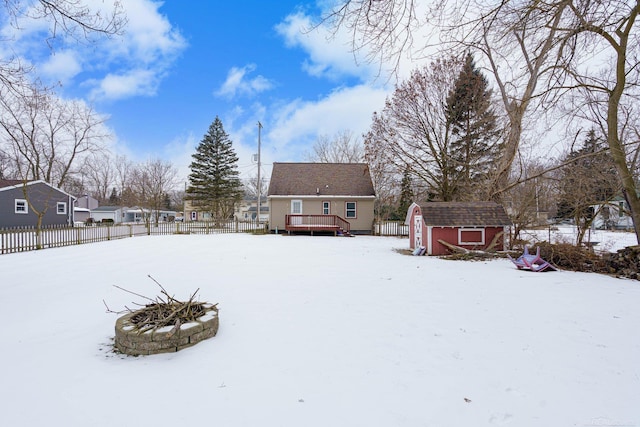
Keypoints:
(162, 83)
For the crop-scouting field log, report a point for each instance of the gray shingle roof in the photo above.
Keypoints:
(334, 179)
(464, 214)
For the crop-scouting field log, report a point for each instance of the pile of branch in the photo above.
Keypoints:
(165, 310)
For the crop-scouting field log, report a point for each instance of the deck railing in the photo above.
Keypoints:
(316, 223)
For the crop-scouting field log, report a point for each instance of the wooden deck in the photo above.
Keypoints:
(317, 223)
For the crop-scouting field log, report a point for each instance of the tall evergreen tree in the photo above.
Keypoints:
(406, 193)
(474, 143)
(589, 178)
(214, 183)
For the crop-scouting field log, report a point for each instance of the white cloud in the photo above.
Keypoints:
(330, 55)
(62, 66)
(149, 36)
(237, 83)
(118, 86)
(142, 55)
(149, 43)
(297, 125)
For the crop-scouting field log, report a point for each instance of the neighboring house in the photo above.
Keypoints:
(195, 213)
(612, 215)
(18, 199)
(86, 202)
(471, 225)
(81, 215)
(109, 213)
(247, 208)
(311, 197)
(83, 206)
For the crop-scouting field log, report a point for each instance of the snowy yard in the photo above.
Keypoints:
(317, 331)
(607, 241)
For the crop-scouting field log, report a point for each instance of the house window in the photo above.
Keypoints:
(61, 208)
(326, 208)
(21, 206)
(296, 207)
(620, 209)
(194, 216)
(471, 236)
(350, 210)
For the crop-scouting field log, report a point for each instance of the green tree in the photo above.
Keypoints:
(214, 183)
(588, 179)
(474, 133)
(406, 193)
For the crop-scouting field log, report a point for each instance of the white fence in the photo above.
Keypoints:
(20, 240)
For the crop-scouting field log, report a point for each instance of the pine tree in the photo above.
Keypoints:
(114, 199)
(589, 178)
(214, 183)
(406, 193)
(474, 134)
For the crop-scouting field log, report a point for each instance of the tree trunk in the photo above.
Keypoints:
(613, 138)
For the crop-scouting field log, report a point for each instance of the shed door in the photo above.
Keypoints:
(417, 231)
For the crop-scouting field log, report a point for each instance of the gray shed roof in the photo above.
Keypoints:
(311, 179)
(464, 214)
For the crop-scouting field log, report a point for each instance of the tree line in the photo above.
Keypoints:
(559, 60)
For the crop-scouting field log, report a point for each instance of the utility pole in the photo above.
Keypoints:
(259, 183)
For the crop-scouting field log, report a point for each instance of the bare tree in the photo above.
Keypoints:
(99, 172)
(610, 25)
(124, 176)
(48, 137)
(251, 187)
(413, 131)
(529, 200)
(152, 183)
(343, 147)
(76, 19)
(542, 47)
(385, 177)
(517, 41)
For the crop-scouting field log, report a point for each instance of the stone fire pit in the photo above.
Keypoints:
(135, 339)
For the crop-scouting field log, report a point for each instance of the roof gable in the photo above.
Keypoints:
(10, 184)
(317, 179)
(464, 214)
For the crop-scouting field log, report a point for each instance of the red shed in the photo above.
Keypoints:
(471, 225)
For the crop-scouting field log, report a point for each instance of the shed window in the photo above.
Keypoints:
(61, 208)
(471, 236)
(350, 210)
(194, 216)
(21, 206)
(326, 208)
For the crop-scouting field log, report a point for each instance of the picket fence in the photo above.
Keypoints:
(26, 239)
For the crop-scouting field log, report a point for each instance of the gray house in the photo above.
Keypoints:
(22, 201)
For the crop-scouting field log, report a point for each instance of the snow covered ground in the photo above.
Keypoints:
(607, 241)
(317, 331)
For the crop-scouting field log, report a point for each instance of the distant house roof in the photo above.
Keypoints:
(316, 179)
(464, 214)
(10, 182)
(107, 208)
